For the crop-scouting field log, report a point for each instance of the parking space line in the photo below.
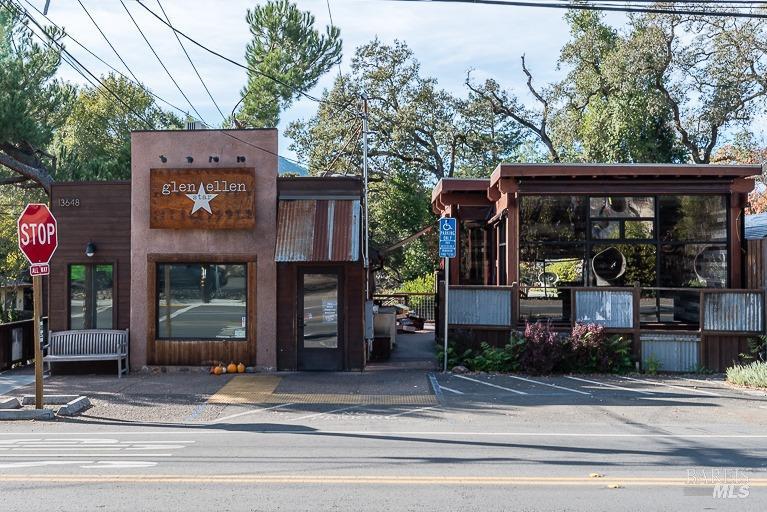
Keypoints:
(252, 411)
(609, 385)
(453, 390)
(491, 385)
(413, 411)
(550, 385)
(324, 413)
(693, 390)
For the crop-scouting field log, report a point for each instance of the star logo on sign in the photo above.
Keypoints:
(201, 199)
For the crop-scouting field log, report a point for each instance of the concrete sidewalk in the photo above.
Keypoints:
(13, 380)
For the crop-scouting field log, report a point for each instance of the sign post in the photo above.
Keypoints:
(37, 241)
(447, 250)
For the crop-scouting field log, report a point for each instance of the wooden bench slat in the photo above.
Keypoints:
(88, 345)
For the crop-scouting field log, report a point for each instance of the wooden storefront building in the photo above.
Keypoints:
(206, 255)
(654, 252)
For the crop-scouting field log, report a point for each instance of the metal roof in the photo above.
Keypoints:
(318, 230)
(756, 226)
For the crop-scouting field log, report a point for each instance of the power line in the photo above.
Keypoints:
(63, 50)
(161, 62)
(133, 80)
(229, 60)
(105, 39)
(192, 63)
(602, 7)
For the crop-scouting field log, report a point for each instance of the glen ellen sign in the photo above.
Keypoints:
(202, 198)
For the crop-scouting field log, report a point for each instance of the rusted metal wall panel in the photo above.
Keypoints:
(674, 352)
(611, 308)
(480, 306)
(295, 230)
(733, 312)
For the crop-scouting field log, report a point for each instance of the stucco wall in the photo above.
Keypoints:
(146, 148)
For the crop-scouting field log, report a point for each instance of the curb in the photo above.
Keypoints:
(9, 402)
(27, 414)
(74, 406)
(49, 399)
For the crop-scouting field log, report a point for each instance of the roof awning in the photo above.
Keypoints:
(318, 230)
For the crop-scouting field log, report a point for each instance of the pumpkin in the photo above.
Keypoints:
(240, 368)
(232, 368)
(217, 370)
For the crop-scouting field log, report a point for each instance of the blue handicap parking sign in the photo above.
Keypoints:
(447, 237)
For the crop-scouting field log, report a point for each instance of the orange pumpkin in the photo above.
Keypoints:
(232, 368)
(217, 370)
(240, 368)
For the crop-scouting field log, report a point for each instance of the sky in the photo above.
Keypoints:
(448, 40)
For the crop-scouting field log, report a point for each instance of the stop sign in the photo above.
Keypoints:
(37, 237)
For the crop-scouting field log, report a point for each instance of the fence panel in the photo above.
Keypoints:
(673, 352)
(732, 311)
(489, 306)
(611, 308)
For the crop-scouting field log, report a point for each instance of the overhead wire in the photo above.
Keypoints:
(170, 75)
(133, 80)
(600, 7)
(192, 63)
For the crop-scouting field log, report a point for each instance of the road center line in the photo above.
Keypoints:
(609, 385)
(252, 411)
(693, 390)
(491, 385)
(550, 385)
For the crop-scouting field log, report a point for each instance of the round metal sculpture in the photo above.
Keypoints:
(548, 278)
(608, 266)
(711, 267)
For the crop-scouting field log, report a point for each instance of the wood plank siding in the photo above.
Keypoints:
(90, 212)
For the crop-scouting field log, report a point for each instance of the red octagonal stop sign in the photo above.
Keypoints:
(37, 237)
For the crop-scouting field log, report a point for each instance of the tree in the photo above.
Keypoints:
(419, 134)
(286, 57)
(665, 90)
(32, 102)
(94, 141)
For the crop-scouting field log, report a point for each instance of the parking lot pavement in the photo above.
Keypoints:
(615, 390)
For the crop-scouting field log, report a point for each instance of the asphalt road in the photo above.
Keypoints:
(492, 443)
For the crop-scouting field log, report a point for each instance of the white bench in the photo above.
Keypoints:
(88, 345)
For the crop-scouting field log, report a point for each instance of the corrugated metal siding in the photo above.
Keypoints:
(318, 230)
(610, 308)
(733, 312)
(475, 306)
(756, 226)
(675, 352)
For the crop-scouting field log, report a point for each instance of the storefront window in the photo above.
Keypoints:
(90, 296)
(652, 241)
(201, 301)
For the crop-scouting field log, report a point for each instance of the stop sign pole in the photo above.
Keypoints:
(38, 240)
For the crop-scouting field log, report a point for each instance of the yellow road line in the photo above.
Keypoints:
(368, 479)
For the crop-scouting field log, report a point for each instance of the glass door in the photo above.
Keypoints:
(319, 321)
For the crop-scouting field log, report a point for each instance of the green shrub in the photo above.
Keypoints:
(752, 375)
(593, 350)
(497, 359)
(652, 365)
(453, 357)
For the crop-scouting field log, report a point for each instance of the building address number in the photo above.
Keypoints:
(69, 202)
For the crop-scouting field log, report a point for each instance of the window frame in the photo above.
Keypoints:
(155, 313)
(115, 291)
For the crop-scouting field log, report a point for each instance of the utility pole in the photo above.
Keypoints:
(366, 225)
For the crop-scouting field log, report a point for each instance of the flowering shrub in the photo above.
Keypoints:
(544, 351)
(592, 350)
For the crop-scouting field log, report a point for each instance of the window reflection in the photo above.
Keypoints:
(693, 265)
(692, 218)
(619, 206)
(90, 296)
(201, 301)
(551, 218)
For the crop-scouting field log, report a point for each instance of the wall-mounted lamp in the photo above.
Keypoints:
(240, 159)
(163, 158)
(212, 159)
(90, 249)
(189, 159)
